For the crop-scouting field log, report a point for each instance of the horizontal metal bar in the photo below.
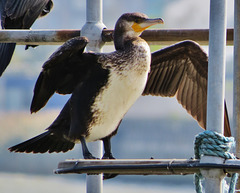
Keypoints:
(157, 37)
(143, 167)
(37, 37)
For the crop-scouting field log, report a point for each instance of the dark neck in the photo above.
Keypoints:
(122, 42)
(122, 38)
(118, 38)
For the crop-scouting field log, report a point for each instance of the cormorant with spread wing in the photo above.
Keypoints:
(104, 86)
(19, 14)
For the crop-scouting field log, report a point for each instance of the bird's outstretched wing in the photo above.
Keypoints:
(181, 70)
(19, 14)
(61, 73)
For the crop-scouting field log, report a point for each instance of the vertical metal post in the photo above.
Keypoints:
(236, 75)
(94, 25)
(236, 80)
(93, 30)
(95, 182)
(216, 66)
(216, 87)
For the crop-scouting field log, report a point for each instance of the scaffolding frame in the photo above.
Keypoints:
(93, 29)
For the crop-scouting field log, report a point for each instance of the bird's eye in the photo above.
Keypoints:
(138, 20)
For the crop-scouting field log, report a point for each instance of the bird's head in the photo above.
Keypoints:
(131, 25)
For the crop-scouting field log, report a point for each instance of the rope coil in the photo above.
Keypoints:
(209, 143)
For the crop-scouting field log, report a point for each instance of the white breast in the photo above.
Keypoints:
(124, 87)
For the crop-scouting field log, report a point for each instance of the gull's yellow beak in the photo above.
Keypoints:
(146, 23)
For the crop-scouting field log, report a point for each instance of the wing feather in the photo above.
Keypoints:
(182, 70)
(61, 72)
(172, 74)
(167, 76)
(21, 14)
(184, 94)
(194, 100)
(160, 79)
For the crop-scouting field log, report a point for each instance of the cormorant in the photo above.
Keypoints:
(104, 86)
(19, 14)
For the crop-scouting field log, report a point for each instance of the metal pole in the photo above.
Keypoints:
(216, 67)
(94, 25)
(93, 30)
(216, 87)
(236, 80)
(236, 75)
(143, 166)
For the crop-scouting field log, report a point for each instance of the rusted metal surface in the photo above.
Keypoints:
(173, 35)
(153, 37)
(67, 34)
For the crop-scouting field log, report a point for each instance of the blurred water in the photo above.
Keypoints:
(22, 183)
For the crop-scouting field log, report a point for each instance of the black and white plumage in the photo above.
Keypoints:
(19, 14)
(104, 86)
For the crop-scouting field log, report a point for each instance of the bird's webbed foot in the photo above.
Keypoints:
(89, 156)
(108, 156)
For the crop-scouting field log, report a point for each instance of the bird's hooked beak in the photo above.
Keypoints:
(146, 23)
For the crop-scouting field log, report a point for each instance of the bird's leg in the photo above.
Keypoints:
(107, 155)
(107, 148)
(86, 153)
(107, 144)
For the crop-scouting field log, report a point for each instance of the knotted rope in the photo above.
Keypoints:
(209, 143)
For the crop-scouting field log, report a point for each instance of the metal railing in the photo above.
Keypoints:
(153, 37)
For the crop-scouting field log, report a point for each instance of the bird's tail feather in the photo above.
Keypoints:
(45, 142)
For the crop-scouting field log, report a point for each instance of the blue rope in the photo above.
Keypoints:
(210, 143)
